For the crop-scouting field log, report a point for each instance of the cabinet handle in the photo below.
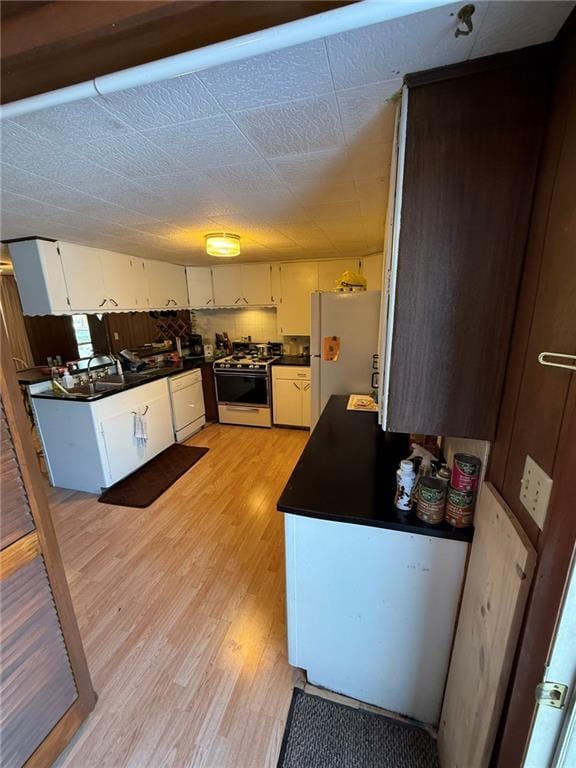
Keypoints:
(114, 302)
(246, 300)
(296, 385)
(237, 300)
(301, 375)
(543, 355)
(102, 302)
(307, 387)
(142, 414)
(209, 300)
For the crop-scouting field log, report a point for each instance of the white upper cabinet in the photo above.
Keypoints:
(119, 280)
(256, 284)
(166, 285)
(39, 276)
(84, 278)
(298, 280)
(178, 289)
(331, 271)
(200, 291)
(275, 284)
(228, 286)
(140, 278)
(372, 271)
(242, 285)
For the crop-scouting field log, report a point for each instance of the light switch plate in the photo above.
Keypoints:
(535, 489)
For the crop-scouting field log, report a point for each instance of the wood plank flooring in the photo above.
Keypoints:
(182, 612)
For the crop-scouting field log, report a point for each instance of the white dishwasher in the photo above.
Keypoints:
(188, 412)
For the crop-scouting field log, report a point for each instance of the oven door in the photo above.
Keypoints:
(243, 388)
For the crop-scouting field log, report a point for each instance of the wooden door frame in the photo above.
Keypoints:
(19, 426)
(558, 539)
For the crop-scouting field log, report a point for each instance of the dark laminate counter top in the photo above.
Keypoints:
(32, 376)
(152, 374)
(347, 474)
(292, 360)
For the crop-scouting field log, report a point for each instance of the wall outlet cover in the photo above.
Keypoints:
(535, 489)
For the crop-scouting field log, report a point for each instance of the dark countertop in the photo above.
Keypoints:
(292, 360)
(186, 364)
(347, 474)
(32, 376)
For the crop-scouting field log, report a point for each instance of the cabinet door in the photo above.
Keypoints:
(306, 403)
(39, 275)
(124, 453)
(298, 280)
(200, 293)
(177, 287)
(158, 283)
(464, 221)
(288, 402)
(119, 282)
(84, 279)
(330, 271)
(372, 271)
(256, 284)
(227, 286)
(140, 277)
(275, 284)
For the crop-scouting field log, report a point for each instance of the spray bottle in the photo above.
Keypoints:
(425, 468)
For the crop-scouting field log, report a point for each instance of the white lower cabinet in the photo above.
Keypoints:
(291, 395)
(91, 445)
(123, 452)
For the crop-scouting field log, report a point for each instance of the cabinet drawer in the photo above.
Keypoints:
(295, 372)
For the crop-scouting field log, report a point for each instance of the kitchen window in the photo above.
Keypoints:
(83, 335)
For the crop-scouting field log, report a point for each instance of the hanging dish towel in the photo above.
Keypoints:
(141, 427)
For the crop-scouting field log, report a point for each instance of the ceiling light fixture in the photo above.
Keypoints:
(222, 244)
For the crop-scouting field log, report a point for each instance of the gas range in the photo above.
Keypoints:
(243, 362)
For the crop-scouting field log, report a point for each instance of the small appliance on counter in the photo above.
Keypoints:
(195, 346)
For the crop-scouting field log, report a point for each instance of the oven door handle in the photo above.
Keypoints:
(255, 375)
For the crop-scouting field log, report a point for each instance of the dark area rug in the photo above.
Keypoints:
(323, 734)
(149, 482)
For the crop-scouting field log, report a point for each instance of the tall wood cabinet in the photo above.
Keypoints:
(468, 148)
(45, 685)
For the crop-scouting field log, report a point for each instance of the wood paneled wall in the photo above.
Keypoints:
(538, 412)
(51, 335)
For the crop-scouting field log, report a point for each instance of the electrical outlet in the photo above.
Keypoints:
(535, 489)
(116, 336)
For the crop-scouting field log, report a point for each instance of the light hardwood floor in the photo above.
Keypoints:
(182, 612)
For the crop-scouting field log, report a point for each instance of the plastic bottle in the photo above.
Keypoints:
(405, 478)
(425, 468)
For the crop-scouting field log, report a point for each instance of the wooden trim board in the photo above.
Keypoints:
(502, 563)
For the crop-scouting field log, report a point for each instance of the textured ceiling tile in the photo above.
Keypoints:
(177, 100)
(250, 177)
(320, 191)
(394, 48)
(327, 167)
(295, 127)
(508, 26)
(204, 143)
(132, 156)
(368, 112)
(337, 212)
(22, 148)
(369, 161)
(286, 75)
(73, 123)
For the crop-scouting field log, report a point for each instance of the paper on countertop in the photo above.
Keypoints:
(362, 403)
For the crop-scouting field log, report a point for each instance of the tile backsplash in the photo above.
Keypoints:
(259, 323)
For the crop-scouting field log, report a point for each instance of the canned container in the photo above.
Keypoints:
(465, 472)
(459, 508)
(431, 500)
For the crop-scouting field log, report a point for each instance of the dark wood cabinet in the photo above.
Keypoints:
(45, 685)
(209, 392)
(468, 156)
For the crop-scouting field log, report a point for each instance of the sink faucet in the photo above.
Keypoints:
(94, 357)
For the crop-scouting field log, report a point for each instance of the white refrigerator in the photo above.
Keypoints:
(353, 319)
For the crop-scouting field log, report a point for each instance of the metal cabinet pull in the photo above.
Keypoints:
(135, 413)
(296, 385)
(246, 300)
(114, 302)
(209, 300)
(543, 355)
(237, 300)
(307, 387)
(102, 302)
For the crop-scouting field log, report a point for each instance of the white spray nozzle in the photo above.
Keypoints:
(420, 451)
